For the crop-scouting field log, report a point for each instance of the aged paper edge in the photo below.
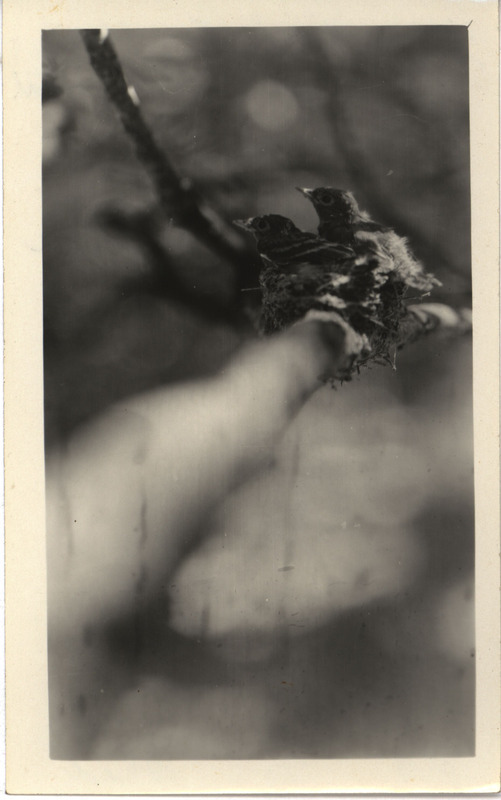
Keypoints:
(29, 770)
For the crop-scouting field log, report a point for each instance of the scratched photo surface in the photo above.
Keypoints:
(324, 606)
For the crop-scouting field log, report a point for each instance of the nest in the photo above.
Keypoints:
(367, 291)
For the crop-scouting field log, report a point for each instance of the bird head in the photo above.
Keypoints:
(332, 204)
(269, 225)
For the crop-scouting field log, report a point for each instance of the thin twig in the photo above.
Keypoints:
(177, 196)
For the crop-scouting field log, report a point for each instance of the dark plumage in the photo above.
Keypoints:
(355, 267)
(281, 243)
(397, 271)
(303, 272)
(341, 220)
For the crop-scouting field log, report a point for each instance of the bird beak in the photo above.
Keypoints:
(307, 192)
(246, 224)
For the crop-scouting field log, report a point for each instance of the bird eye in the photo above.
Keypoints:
(262, 225)
(326, 199)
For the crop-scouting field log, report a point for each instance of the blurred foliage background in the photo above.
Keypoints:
(363, 529)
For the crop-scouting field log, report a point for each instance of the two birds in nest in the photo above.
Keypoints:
(356, 267)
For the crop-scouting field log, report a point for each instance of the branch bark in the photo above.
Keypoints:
(177, 195)
(439, 318)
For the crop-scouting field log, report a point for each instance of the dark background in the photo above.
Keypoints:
(382, 665)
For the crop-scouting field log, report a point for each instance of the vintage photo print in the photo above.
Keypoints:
(251, 390)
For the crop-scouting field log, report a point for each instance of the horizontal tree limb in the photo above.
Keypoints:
(420, 320)
(433, 318)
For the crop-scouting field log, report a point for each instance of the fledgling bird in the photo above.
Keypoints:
(281, 243)
(303, 272)
(342, 221)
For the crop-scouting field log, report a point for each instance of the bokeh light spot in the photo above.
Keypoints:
(271, 105)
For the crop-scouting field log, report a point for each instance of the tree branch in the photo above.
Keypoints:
(177, 196)
(419, 321)
(164, 280)
(433, 318)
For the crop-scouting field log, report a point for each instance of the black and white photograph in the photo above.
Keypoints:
(258, 417)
